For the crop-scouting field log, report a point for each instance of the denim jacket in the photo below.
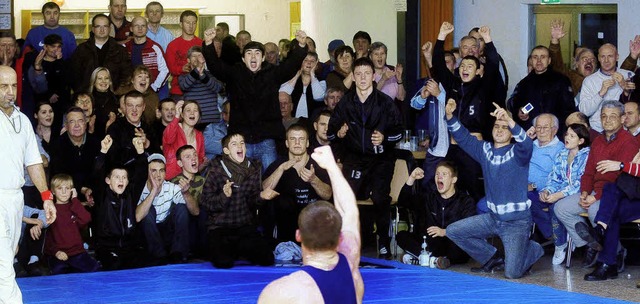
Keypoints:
(567, 182)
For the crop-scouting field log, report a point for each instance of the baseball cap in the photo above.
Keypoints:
(156, 156)
(334, 44)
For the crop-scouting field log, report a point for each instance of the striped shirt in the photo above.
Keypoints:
(203, 89)
(170, 194)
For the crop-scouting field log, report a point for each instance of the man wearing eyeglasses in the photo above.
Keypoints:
(100, 50)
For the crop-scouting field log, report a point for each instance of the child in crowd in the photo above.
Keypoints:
(63, 246)
(117, 244)
(187, 160)
(230, 197)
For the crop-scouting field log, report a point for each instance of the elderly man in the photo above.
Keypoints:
(607, 84)
(545, 148)
(585, 59)
(610, 152)
(74, 153)
(19, 150)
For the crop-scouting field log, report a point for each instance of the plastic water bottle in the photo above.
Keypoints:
(424, 254)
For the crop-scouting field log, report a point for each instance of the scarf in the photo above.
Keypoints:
(237, 172)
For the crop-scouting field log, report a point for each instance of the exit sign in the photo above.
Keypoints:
(549, 1)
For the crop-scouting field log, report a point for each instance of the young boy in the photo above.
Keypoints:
(63, 246)
(191, 184)
(29, 254)
(230, 197)
(117, 244)
(434, 211)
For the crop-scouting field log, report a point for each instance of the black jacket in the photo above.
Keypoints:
(475, 97)
(115, 219)
(378, 112)
(254, 96)
(549, 92)
(86, 58)
(431, 209)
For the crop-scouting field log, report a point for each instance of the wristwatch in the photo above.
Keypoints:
(621, 165)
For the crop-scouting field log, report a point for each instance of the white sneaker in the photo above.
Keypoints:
(559, 254)
(409, 259)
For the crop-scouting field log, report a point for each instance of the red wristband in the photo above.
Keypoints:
(46, 195)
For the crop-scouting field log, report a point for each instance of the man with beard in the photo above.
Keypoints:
(298, 179)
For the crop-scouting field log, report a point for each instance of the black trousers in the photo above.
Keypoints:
(372, 179)
(226, 245)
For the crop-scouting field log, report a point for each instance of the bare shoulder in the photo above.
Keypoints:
(297, 287)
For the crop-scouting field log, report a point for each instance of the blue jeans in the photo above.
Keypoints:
(213, 134)
(174, 231)
(265, 151)
(547, 221)
(471, 233)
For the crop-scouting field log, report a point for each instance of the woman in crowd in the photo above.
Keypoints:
(44, 118)
(342, 76)
(141, 82)
(181, 131)
(104, 100)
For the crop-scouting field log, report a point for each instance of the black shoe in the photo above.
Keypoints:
(590, 235)
(602, 272)
(20, 271)
(177, 258)
(36, 270)
(590, 258)
(622, 255)
(494, 264)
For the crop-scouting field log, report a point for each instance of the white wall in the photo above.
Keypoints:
(510, 25)
(266, 20)
(325, 20)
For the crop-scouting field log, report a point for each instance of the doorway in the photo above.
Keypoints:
(586, 25)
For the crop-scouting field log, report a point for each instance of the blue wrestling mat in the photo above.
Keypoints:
(385, 282)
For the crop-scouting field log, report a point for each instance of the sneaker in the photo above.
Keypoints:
(622, 255)
(442, 263)
(559, 254)
(384, 254)
(410, 260)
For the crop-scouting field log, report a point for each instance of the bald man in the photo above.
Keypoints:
(19, 150)
(608, 83)
(147, 52)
